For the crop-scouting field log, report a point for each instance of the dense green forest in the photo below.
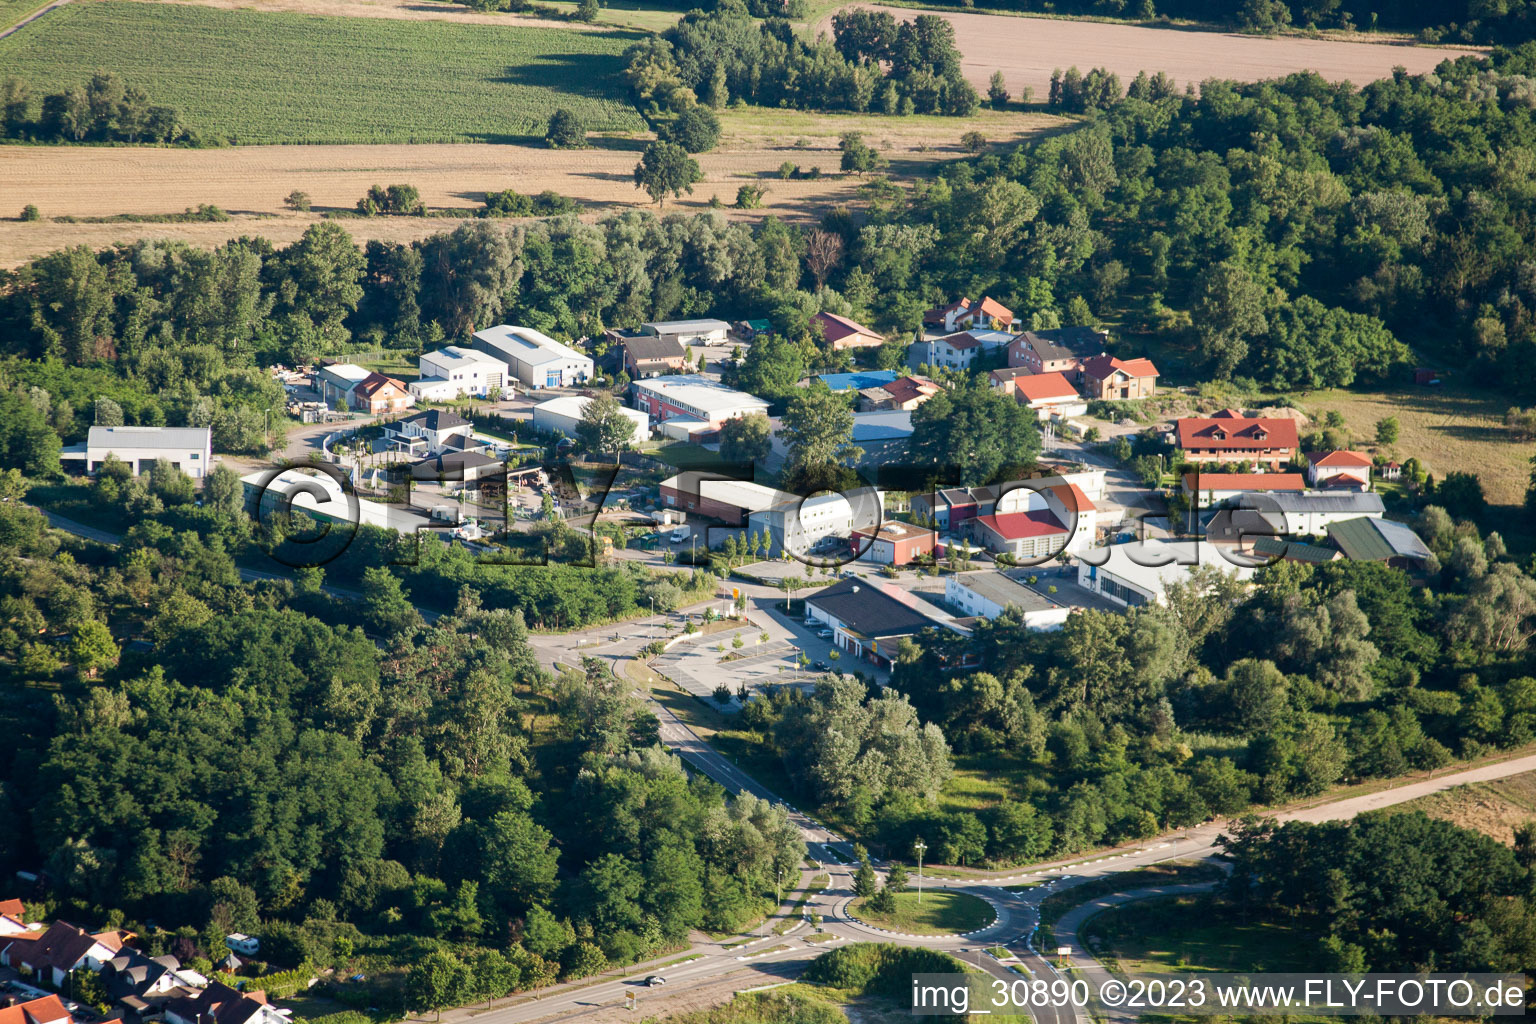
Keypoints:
(253, 760)
(1121, 726)
(1390, 892)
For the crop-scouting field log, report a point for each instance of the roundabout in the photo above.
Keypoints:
(939, 913)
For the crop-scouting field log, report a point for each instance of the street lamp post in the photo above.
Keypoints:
(918, 848)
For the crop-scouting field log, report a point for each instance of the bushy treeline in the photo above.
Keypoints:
(717, 55)
(269, 768)
(1391, 891)
(1120, 726)
(105, 109)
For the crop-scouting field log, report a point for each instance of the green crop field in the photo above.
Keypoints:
(267, 78)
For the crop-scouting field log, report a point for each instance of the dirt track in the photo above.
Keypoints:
(1026, 50)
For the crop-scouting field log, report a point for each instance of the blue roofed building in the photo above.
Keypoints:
(858, 381)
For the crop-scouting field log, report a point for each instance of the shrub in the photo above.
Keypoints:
(697, 130)
(565, 130)
(788, 170)
(297, 200)
(394, 199)
(877, 968)
(29, 212)
(750, 197)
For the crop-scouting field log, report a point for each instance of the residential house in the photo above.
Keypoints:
(1207, 490)
(141, 984)
(1105, 377)
(435, 427)
(220, 1004)
(1006, 378)
(1308, 514)
(842, 333)
(1049, 395)
(647, 355)
(564, 414)
(455, 372)
(894, 543)
(869, 620)
(1380, 540)
(1058, 350)
(1223, 440)
(458, 467)
(1340, 469)
(335, 381)
(690, 332)
(378, 395)
(533, 357)
(47, 1009)
(958, 351)
(189, 449)
(989, 593)
(1140, 572)
(13, 918)
(963, 315)
(901, 395)
(52, 953)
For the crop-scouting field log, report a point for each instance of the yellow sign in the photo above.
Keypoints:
(735, 593)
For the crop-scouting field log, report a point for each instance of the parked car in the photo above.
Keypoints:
(822, 666)
(825, 634)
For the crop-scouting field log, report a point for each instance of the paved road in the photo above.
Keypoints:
(1017, 913)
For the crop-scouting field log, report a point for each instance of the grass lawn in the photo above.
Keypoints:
(939, 913)
(1193, 933)
(269, 78)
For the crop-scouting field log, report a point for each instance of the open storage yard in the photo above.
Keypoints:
(259, 78)
(1026, 50)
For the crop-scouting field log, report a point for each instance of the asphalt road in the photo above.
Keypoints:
(1017, 913)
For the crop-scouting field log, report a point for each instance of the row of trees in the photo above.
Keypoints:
(105, 109)
(713, 56)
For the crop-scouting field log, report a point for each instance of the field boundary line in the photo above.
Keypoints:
(29, 19)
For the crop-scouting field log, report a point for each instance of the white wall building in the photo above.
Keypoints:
(691, 396)
(533, 357)
(957, 351)
(564, 413)
(1140, 572)
(189, 449)
(336, 381)
(986, 594)
(454, 372)
(321, 498)
(800, 526)
(690, 332)
(1066, 501)
(1308, 514)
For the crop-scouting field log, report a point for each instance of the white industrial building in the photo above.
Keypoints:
(1140, 572)
(533, 357)
(189, 449)
(336, 381)
(690, 332)
(1308, 514)
(455, 372)
(692, 397)
(986, 594)
(320, 497)
(801, 526)
(564, 413)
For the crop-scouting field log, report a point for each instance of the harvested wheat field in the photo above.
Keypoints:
(1026, 50)
(250, 182)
